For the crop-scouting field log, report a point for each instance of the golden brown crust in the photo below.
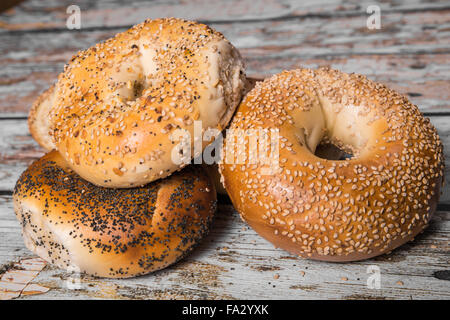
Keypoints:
(39, 119)
(213, 169)
(337, 210)
(118, 103)
(105, 232)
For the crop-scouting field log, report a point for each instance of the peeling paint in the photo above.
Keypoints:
(16, 277)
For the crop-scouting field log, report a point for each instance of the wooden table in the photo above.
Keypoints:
(410, 53)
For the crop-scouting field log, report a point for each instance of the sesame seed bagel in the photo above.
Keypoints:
(41, 110)
(332, 209)
(39, 119)
(114, 233)
(118, 103)
(213, 169)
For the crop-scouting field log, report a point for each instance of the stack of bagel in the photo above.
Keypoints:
(109, 200)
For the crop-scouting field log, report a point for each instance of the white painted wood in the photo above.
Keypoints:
(18, 150)
(45, 14)
(411, 53)
(234, 262)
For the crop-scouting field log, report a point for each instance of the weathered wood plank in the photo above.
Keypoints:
(47, 14)
(234, 262)
(18, 150)
(412, 50)
(424, 78)
(416, 32)
(15, 281)
(411, 53)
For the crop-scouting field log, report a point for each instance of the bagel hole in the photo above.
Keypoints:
(132, 89)
(137, 88)
(330, 151)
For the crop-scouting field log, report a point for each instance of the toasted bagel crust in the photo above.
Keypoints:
(336, 210)
(118, 104)
(39, 119)
(115, 233)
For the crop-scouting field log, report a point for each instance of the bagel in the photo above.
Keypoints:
(39, 119)
(213, 169)
(41, 110)
(331, 209)
(118, 103)
(114, 233)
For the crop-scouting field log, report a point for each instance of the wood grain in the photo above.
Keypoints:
(15, 278)
(410, 53)
(18, 150)
(423, 78)
(234, 262)
(51, 14)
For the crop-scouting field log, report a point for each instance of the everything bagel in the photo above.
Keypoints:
(116, 104)
(39, 119)
(114, 233)
(331, 209)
